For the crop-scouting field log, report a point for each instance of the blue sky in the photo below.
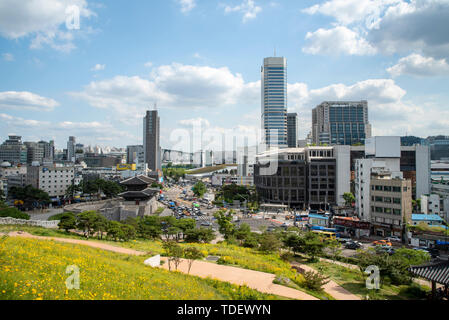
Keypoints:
(200, 61)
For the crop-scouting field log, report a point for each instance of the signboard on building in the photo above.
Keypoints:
(349, 223)
(123, 167)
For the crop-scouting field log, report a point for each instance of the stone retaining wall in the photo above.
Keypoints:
(36, 223)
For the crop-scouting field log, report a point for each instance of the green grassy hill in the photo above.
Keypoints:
(212, 169)
(36, 269)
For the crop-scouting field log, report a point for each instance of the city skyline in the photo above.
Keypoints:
(196, 62)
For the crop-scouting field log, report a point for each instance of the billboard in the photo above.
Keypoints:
(123, 167)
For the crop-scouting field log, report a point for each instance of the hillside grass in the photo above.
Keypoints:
(211, 169)
(33, 269)
(229, 254)
(354, 281)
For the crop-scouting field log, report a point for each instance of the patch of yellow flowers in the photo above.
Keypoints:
(36, 270)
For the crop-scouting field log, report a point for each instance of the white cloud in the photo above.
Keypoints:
(20, 122)
(417, 65)
(387, 26)
(148, 64)
(347, 12)
(8, 57)
(187, 5)
(171, 86)
(196, 122)
(98, 67)
(24, 100)
(339, 40)
(390, 113)
(247, 7)
(45, 20)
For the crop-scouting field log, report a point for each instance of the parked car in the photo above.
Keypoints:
(382, 243)
(206, 224)
(394, 239)
(344, 240)
(386, 249)
(353, 245)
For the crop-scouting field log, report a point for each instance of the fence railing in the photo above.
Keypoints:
(36, 223)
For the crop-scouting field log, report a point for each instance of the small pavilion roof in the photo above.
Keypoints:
(438, 272)
(138, 180)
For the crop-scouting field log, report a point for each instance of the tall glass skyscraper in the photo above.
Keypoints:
(341, 122)
(274, 101)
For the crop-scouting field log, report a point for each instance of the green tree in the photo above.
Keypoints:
(100, 225)
(32, 197)
(174, 252)
(294, 242)
(128, 232)
(200, 235)
(114, 230)
(242, 233)
(269, 242)
(149, 227)
(199, 189)
(192, 254)
(86, 222)
(313, 245)
(185, 225)
(349, 198)
(67, 222)
(224, 220)
(334, 248)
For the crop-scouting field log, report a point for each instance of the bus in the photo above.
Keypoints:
(326, 234)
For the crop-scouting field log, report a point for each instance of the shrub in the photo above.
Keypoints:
(314, 281)
(415, 291)
(287, 256)
(14, 213)
(59, 216)
(67, 221)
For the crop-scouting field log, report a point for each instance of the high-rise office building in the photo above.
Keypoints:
(49, 150)
(274, 102)
(292, 130)
(35, 152)
(13, 151)
(340, 122)
(151, 147)
(71, 149)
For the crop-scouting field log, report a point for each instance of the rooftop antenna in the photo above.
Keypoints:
(275, 51)
(155, 106)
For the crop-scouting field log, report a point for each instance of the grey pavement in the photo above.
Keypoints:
(38, 215)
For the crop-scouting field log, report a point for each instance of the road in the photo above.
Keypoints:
(38, 215)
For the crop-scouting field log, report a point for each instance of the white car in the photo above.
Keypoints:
(394, 239)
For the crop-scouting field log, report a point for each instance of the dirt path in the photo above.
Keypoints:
(331, 287)
(93, 244)
(260, 281)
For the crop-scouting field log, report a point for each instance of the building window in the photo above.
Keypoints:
(397, 211)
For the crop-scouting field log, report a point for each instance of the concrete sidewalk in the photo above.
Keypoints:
(331, 287)
(260, 281)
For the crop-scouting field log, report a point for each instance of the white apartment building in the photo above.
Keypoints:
(53, 180)
(383, 155)
(430, 204)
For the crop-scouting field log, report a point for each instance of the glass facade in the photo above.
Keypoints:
(274, 101)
